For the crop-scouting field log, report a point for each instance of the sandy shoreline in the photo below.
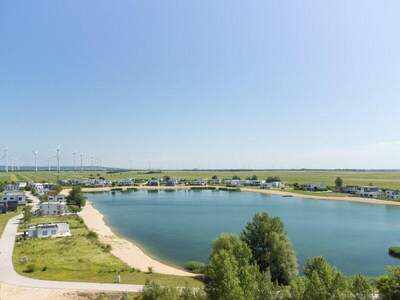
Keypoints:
(315, 197)
(261, 191)
(125, 250)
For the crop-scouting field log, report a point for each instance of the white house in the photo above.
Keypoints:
(39, 188)
(369, 191)
(199, 182)
(272, 185)
(314, 187)
(14, 196)
(49, 230)
(125, 182)
(56, 198)
(391, 194)
(53, 208)
(10, 188)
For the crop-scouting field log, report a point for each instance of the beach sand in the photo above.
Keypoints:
(125, 250)
(316, 197)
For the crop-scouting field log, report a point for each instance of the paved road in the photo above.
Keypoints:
(8, 274)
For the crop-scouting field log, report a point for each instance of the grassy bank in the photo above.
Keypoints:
(389, 179)
(80, 257)
(4, 218)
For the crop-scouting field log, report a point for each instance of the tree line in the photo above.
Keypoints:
(261, 264)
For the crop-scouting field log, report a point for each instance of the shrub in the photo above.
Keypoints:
(196, 266)
(30, 268)
(92, 235)
(44, 269)
(106, 248)
(395, 251)
(150, 270)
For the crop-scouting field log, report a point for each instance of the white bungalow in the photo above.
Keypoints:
(391, 194)
(49, 230)
(14, 196)
(53, 208)
(56, 198)
(369, 192)
(314, 187)
(272, 185)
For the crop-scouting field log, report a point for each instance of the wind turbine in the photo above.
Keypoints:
(74, 160)
(81, 155)
(58, 158)
(5, 155)
(35, 154)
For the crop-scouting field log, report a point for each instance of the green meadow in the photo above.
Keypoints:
(80, 257)
(383, 179)
(5, 217)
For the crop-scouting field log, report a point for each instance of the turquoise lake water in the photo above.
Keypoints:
(179, 226)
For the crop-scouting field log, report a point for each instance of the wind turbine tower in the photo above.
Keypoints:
(58, 159)
(5, 155)
(81, 155)
(35, 154)
(74, 160)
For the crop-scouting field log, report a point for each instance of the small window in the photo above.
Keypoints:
(53, 232)
(44, 232)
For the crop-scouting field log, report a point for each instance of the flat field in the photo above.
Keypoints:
(383, 179)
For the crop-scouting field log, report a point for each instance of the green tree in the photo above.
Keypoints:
(271, 248)
(214, 177)
(229, 272)
(323, 281)
(338, 183)
(27, 214)
(76, 197)
(361, 288)
(254, 177)
(389, 285)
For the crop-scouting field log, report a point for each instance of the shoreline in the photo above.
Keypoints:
(255, 190)
(130, 252)
(127, 251)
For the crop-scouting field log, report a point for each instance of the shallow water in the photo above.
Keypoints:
(180, 226)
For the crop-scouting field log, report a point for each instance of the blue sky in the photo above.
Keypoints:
(207, 84)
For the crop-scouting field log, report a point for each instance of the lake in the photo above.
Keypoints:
(180, 226)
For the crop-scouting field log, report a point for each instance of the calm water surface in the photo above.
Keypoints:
(180, 226)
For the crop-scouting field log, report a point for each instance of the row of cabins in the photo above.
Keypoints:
(361, 191)
(96, 182)
(372, 192)
(216, 181)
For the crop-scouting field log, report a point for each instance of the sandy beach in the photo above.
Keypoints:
(125, 250)
(316, 197)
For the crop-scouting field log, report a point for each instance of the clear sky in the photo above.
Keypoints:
(207, 83)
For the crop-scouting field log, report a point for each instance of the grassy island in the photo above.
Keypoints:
(395, 251)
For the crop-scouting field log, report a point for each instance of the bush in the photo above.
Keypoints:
(44, 269)
(196, 266)
(106, 248)
(394, 251)
(92, 235)
(30, 268)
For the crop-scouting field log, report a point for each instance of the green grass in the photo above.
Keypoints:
(5, 217)
(80, 258)
(386, 179)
